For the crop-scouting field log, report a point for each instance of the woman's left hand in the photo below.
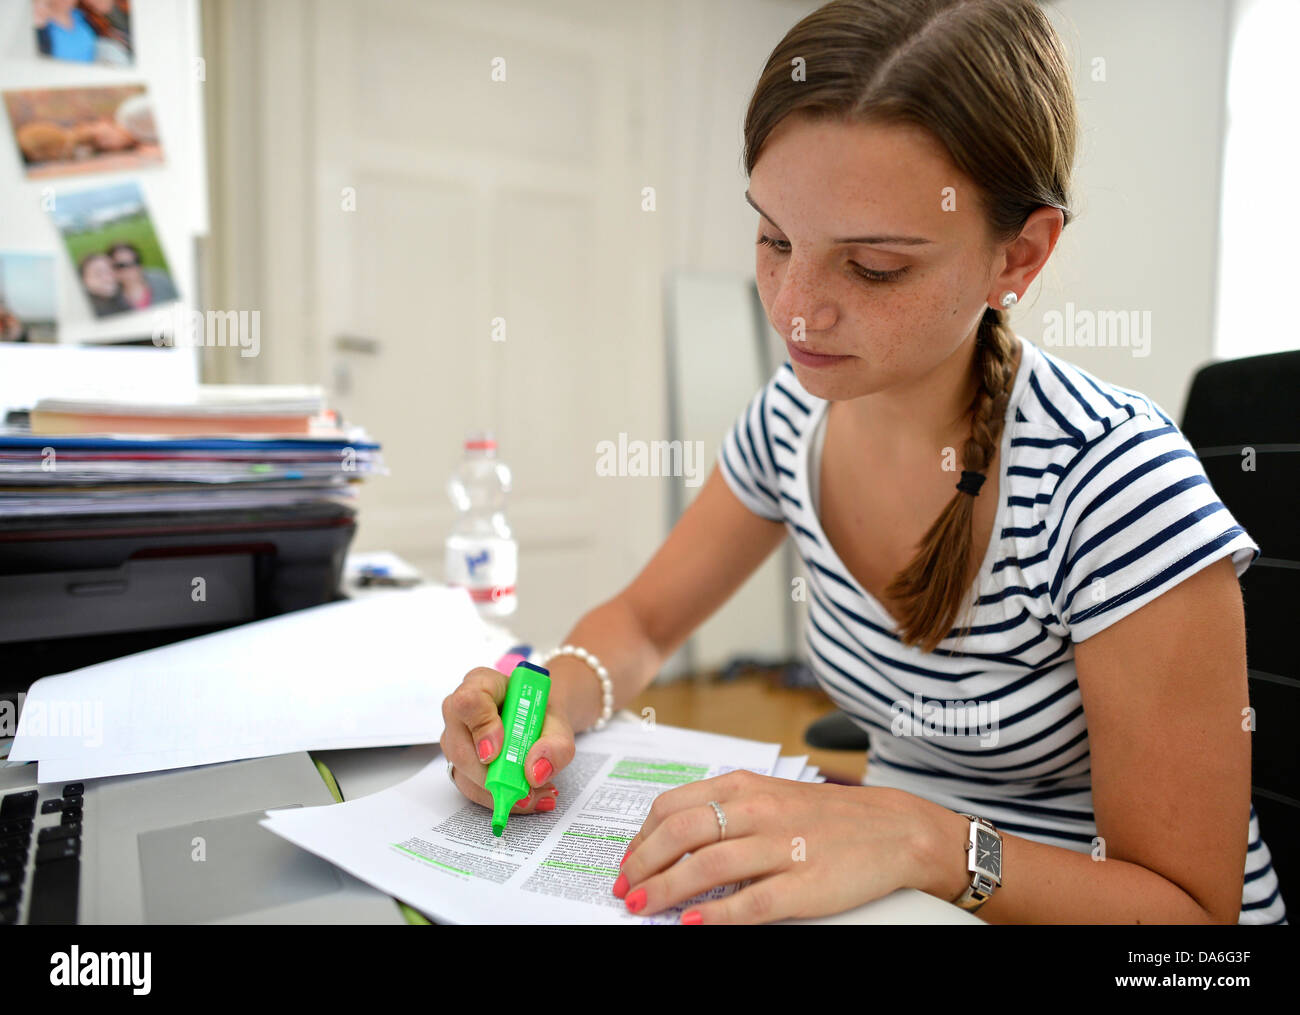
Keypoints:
(811, 849)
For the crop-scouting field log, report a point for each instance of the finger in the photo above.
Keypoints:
(476, 704)
(469, 789)
(483, 797)
(722, 788)
(542, 799)
(723, 863)
(553, 751)
(681, 833)
(765, 901)
(459, 750)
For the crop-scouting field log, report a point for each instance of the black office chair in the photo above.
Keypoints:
(1255, 403)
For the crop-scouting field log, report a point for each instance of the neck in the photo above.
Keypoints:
(927, 414)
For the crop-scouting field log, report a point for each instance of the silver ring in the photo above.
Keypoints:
(722, 819)
(451, 774)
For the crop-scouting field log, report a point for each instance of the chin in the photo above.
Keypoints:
(834, 385)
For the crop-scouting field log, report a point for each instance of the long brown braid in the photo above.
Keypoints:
(929, 590)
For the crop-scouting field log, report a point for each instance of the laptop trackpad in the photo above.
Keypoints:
(208, 870)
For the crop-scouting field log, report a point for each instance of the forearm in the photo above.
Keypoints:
(1047, 884)
(613, 634)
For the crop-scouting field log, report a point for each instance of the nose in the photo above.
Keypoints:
(802, 295)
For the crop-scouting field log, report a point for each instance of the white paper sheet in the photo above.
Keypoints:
(424, 843)
(369, 672)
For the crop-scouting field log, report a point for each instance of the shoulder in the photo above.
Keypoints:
(1097, 435)
(762, 449)
(1125, 509)
(1067, 399)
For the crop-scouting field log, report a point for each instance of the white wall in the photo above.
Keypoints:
(1146, 187)
(166, 39)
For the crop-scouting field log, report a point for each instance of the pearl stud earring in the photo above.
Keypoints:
(1009, 300)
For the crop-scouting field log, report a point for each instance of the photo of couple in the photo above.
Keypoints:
(117, 281)
(111, 241)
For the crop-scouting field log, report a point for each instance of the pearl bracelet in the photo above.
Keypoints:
(606, 685)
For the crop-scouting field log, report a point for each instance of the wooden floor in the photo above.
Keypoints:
(755, 707)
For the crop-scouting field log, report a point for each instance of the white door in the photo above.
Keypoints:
(463, 229)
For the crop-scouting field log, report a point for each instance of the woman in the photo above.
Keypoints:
(101, 285)
(141, 287)
(910, 161)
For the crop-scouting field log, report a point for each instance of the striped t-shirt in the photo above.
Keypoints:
(1103, 506)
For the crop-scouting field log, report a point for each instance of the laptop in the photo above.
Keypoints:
(181, 846)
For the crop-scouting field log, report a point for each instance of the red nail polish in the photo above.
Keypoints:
(542, 770)
(636, 901)
(484, 749)
(545, 804)
(692, 916)
(620, 886)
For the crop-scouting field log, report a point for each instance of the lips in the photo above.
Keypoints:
(803, 347)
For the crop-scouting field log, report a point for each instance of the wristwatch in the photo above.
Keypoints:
(984, 861)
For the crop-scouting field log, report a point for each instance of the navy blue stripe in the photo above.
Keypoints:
(740, 481)
(1054, 412)
(1163, 577)
(788, 421)
(782, 388)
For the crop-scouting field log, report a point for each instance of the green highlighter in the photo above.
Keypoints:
(522, 713)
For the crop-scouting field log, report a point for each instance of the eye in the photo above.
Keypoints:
(868, 274)
(878, 276)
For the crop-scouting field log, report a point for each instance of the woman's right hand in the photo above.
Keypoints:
(474, 735)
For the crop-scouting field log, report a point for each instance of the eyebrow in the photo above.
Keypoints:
(869, 240)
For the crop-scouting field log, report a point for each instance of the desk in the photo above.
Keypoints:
(362, 771)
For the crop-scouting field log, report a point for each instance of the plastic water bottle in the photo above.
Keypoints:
(481, 554)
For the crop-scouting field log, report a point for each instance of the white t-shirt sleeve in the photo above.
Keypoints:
(1134, 514)
(746, 459)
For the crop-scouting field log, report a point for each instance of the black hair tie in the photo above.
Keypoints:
(971, 482)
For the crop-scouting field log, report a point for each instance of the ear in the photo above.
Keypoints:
(1023, 258)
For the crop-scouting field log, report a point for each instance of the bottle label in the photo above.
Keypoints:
(487, 568)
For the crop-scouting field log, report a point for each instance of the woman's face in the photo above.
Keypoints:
(819, 184)
(98, 277)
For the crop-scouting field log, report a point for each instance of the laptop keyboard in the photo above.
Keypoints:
(51, 864)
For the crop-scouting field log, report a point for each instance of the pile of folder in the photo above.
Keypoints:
(231, 447)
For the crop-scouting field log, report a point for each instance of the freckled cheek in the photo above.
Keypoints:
(768, 278)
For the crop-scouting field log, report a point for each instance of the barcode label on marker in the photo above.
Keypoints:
(517, 733)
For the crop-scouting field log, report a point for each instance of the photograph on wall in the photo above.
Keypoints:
(66, 131)
(27, 298)
(84, 31)
(114, 249)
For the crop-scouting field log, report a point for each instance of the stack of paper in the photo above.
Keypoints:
(47, 475)
(212, 448)
(423, 843)
(212, 409)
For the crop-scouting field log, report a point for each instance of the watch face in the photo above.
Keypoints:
(988, 853)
